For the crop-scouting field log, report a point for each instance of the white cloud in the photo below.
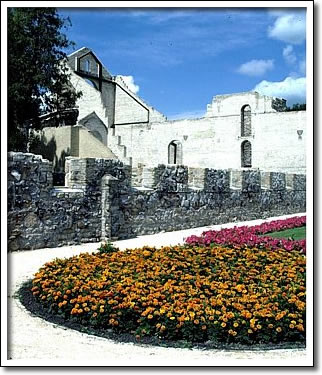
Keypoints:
(289, 55)
(129, 81)
(289, 27)
(256, 67)
(292, 89)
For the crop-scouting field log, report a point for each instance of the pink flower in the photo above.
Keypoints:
(249, 236)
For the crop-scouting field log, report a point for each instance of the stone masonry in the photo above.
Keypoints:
(236, 130)
(100, 203)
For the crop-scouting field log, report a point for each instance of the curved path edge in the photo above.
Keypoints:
(34, 341)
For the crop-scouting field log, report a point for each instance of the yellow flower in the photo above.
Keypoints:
(300, 327)
(223, 324)
(279, 329)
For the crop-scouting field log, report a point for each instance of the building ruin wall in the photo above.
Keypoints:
(99, 202)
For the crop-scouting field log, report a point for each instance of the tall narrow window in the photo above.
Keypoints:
(246, 123)
(87, 66)
(175, 153)
(246, 154)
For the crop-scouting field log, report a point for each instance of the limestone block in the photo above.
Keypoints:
(148, 177)
(289, 180)
(235, 179)
(265, 180)
(196, 178)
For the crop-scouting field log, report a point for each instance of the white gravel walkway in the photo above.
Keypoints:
(33, 341)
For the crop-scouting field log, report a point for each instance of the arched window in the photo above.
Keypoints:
(87, 66)
(246, 154)
(246, 123)
(175, 153)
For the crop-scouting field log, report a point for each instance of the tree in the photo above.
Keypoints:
(38, 78)
(296, 107)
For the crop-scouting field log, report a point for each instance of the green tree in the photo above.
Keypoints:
(38, 79)
(296, 107)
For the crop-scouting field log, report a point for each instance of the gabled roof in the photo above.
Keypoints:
(83, 52)
(90, 115)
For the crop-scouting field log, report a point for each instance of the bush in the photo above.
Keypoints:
(107, 248)
(187, 293)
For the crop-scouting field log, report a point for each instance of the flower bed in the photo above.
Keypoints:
(187, 293)
(250, 236)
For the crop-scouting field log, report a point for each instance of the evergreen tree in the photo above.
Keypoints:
(38, 80)
(296, 107)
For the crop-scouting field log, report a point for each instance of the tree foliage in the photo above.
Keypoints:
(38, 79)
(296, 107)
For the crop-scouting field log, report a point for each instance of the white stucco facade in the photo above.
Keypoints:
(139, 134)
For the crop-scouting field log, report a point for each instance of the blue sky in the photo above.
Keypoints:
(178, 59)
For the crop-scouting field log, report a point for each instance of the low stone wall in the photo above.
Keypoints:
(99, 202)
(41, 215)
(178, 201)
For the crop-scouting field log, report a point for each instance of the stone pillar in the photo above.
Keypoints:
(299, 182)
(172, 178)
(251, 181)
(110, 206)
(278, 181)
(29, 182)
(217, 181)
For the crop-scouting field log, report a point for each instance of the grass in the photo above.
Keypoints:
(295, 233)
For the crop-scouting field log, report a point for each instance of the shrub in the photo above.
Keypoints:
(187, 293)
(107, 247)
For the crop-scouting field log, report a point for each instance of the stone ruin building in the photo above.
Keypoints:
(125, 170)
(244, 130)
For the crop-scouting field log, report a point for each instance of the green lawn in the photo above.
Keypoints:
(295, 233)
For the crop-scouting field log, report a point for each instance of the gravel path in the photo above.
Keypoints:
(34, 341)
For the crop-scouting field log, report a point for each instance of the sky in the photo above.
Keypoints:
(177, 60)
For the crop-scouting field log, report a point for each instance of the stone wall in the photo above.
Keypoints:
(41, 215)
(182, 198)
(215, 142)
(277, 139)
(99, 202)
(56, 143)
